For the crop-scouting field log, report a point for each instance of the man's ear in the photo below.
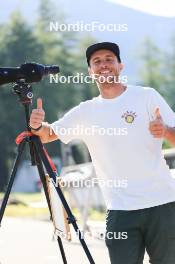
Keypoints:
(121, 66)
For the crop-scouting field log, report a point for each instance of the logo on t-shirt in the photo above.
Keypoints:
(129, 116)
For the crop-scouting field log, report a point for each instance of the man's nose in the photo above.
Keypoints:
(103, 65)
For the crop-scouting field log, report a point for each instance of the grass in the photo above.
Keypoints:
(22, 211)
(24, 208)
(26, 197)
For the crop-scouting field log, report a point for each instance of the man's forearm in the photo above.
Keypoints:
(46, 134)
(170, 135)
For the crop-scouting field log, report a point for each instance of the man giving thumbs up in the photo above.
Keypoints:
(160, 130)
(157, 127)
(124, 128)
(38, 126)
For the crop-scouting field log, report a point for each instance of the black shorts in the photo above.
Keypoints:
(129, 233)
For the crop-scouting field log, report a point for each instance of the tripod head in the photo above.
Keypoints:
(25, 94)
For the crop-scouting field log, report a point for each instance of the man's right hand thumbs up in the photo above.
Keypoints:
(39, 103)
(37, 116)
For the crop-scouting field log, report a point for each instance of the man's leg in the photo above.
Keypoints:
(124, 238)
(160, 234)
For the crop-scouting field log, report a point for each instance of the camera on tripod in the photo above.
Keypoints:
(22, 76)
(29, 72)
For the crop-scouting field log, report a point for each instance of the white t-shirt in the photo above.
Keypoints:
(128, 160)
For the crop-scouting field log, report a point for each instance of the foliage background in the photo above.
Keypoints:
(21, 42)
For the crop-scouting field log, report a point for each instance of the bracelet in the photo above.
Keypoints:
(36, 129)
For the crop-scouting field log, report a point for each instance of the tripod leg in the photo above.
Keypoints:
(12, 178)
(62, 250)
(43, 180)
(71, 218)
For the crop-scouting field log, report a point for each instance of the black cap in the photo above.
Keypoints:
(103, 45)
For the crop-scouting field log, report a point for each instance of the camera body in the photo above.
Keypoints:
(29, 72)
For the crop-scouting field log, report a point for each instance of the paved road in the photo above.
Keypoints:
(24, 241)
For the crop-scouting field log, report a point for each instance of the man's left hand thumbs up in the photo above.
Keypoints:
(157, 127)
(157, 113)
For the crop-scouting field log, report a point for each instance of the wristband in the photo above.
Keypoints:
(36, 129)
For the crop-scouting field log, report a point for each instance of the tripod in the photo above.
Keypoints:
(39, 157)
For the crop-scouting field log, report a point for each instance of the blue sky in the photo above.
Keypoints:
(154, 7)
(29, 7)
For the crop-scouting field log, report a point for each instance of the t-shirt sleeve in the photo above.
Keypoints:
(156, 100)
(67, 127)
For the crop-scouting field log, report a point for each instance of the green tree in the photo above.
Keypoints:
(21, 43)
(152, 72)
(17, 45)
(170, 71)
(155, 74)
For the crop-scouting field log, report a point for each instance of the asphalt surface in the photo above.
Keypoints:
(26, 241)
